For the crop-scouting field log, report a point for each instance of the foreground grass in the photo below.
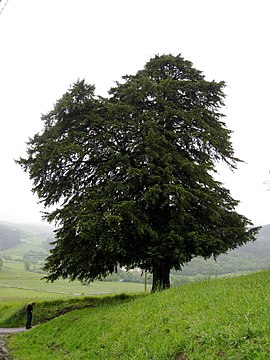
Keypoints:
(217, 319)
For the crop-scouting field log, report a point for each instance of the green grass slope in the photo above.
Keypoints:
(216, 319)
(13, 314)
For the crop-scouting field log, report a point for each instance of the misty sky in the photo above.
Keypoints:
(46, 45)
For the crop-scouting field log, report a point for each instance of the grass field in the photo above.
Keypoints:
(33, 243)
(18, 284)
(215, 319)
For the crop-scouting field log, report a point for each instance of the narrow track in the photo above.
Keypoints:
(3, 333)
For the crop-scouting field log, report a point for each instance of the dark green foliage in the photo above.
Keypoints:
(131, 176)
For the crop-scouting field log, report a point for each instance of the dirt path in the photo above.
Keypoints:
(6, 332)
(11, 330)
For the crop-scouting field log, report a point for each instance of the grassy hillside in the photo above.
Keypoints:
(12, 314)
(215, 319)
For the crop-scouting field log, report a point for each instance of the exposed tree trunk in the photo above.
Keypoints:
(161, 277)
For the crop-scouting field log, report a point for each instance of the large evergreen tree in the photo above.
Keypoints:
(130, 177)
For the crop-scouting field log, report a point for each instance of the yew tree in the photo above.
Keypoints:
(130, 180)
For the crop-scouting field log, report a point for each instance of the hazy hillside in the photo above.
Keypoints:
(25, 241)
(28, 228)
(250, 257)
(9, 236)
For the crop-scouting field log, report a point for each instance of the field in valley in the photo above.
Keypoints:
(16, 284)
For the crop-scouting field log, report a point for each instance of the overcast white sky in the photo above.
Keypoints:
(47, 45)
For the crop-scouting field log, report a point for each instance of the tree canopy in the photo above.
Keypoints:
(130, 177)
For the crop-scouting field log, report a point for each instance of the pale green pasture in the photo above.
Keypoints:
(11, 266)
(34, 240)
(24, 296)
(33, 243)
(16, 283)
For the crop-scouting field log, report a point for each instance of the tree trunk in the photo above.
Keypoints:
(161, 277)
